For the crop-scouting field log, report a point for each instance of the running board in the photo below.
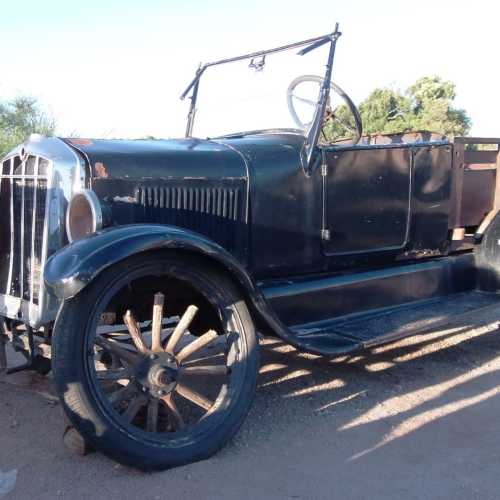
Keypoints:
(312, 300)
(381, 327)
(343, 312)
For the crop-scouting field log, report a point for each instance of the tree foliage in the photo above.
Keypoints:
(19, 118)
(425, 105)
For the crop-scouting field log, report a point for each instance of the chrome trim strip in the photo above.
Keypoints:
(33, 232)
(45, 238)
(21, 176)
(11, 264)
(21, 264)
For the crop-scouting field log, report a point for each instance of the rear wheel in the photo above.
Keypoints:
(136, 381)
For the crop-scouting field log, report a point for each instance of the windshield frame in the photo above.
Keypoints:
(310, 44)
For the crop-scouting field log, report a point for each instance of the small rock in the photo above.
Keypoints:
(7, 482)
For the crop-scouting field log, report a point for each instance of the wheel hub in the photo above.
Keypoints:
(157, 373)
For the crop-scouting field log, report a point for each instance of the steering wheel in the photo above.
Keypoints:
(342, 125)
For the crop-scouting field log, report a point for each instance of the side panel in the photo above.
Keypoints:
(368, 194)
(285, 207)
(386, 203)
(430, 205)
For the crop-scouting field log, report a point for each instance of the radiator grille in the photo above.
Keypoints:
(23, 197)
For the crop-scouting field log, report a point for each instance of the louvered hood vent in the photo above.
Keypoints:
(218, 212)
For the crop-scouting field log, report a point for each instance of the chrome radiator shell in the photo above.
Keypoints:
(37, 180)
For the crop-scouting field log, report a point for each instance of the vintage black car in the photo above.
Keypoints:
(145, 268)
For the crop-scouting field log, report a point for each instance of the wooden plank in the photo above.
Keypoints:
(476, 140)
(480, 156)
(496, 201)
(478, 196)
(480, 166)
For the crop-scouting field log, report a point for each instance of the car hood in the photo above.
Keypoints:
(190, 157)
(160, 159)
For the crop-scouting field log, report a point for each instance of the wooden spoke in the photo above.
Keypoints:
(122, 394)
(217, 356)
(135, 331)
(152, 422)
(115, 348)
(157, 321)
(174, 411)
(113, 374)
(196, 345)
(205, 370)
(181, 328)
(134, 406)
(194, 397)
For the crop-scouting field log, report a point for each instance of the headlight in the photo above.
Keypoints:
(84, 215)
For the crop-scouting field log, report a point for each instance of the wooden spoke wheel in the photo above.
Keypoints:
(147, 379)
(153, 390)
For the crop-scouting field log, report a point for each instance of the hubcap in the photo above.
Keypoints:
(157, 373)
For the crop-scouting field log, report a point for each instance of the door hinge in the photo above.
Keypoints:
(325, 234)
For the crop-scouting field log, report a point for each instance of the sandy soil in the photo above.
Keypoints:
(417, 419)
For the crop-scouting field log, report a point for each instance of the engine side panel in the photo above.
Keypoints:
(285, 206)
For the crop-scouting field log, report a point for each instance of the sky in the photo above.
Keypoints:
(117, 68)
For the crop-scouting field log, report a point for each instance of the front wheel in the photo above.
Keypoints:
(156, 361)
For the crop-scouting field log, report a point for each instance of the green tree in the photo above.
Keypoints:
(19, 118)
(425, 105)
(432, 99)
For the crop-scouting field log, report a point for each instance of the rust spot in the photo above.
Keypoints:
(100, 170)
(81, 142)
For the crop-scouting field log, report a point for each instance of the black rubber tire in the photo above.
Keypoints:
(90, 418)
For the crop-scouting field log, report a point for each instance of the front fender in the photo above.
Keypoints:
(73, 267)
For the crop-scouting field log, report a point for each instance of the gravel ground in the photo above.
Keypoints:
(415, 419)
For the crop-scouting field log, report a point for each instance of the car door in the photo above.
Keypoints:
(367, 192)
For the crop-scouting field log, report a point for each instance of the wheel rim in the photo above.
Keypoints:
(154, 378)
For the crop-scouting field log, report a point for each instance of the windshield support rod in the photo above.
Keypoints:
(203, 67)
(311, 43)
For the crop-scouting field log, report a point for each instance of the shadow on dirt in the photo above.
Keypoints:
(409, 386)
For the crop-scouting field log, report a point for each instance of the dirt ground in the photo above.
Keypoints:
(417, 419)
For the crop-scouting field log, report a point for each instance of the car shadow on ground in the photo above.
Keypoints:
(408, 384)
(356, 422)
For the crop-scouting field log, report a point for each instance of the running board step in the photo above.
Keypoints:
(370, 329)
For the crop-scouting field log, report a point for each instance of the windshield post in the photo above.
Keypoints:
(194, 95)
(319, 113)
(192, 110)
